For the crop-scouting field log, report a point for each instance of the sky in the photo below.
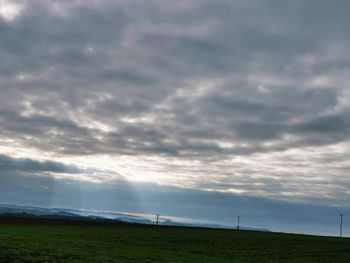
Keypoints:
(199, 109)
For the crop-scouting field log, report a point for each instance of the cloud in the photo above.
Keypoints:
(229, 96)
(8, 164)
(9, 10)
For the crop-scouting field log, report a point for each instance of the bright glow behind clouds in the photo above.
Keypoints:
(9, 10)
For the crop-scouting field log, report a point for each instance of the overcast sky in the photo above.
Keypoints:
(182, 101)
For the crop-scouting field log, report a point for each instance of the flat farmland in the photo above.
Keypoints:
(60, 242)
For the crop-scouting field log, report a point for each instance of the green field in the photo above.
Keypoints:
(124, 243)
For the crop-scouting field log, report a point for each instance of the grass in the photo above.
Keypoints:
(129, 243)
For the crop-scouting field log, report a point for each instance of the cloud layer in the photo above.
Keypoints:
(250, 98)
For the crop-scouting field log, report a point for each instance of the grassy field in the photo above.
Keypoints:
(128, 243)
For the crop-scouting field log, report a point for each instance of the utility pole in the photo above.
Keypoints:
(341, 225)
(157, 222)
(238, 219)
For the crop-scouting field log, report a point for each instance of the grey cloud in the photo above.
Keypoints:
(38, 126)
(27, 165)
(259, 118)
(337, 124)
(39, 39)
(195, 52)
(121, 106)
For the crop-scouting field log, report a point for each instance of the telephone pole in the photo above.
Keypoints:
(157, 222)
(341, 225)
(238, 219)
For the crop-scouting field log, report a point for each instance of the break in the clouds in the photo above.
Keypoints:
(242, 97)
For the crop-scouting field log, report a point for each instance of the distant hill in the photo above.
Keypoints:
(20, 212)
